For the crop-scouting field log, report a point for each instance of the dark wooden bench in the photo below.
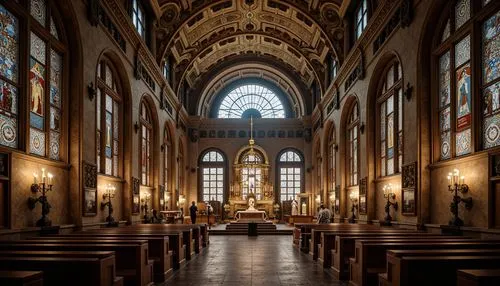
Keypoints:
(343, 247)
(79, 271)
(435, 266)
(195, 242)
(316, 235)
(158, 250)
(21, 278)
(175, 239)
(187, 234)
(328, 242)
(478, 277)
(370, 255)
(132, 259)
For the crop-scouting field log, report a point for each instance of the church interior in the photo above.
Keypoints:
(250, 142)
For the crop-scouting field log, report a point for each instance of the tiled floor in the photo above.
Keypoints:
(243, 260)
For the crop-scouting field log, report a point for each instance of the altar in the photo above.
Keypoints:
(251, 216)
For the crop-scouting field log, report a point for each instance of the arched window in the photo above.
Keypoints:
(251, 100)
(390, 102)
(464, 32)
(290, 166)
(352, 146)
(331, 161)
(212, 183)
(44, 52)
(146, 141)
(108, 119)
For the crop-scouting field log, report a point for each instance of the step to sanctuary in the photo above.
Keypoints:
(238, 228)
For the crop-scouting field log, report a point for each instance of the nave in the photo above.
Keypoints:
(246, 260)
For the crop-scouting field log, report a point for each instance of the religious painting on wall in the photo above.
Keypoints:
(362, 196)
(136, 200)
(409, 189)
(408, 197)
(337, 199)
(90, 202)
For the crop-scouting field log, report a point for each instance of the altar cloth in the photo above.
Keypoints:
(251, 216)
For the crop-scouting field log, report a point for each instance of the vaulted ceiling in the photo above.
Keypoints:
(296, 35)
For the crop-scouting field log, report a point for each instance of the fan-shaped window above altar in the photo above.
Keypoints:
(251, 100)
(290, 156)
(212, 156)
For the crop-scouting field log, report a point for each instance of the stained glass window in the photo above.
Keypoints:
(391, 122)
(290, 175)
(9, 63)
(331, 161)
(38, 11)
(254, 99)
(491, 83)
(457, 77)
(462, 12)
(352, 143)
(212, 176)
(146, 141)
(108, 120)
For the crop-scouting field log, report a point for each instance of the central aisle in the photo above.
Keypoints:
(241, 260)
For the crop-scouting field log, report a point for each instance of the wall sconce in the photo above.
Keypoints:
(455, 185)
(389, 195)
(362, 127)
(109, 194)
(408, 91)
(43, 187)
(91, 90)
(318, 199)
(136, 127)
(354, 199)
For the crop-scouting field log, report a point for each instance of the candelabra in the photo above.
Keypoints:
(43, 187)
(455, 185)
(389, 195)
(109, 194)
(146, 198)
(354, 199)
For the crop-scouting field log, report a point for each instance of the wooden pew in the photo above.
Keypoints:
(21, 278)
(343, 247)
(370, 255)
(132, 260)
(328, 241)
(187, 233)
(435, 266)
(175, 239)
(478, 277)
(302, 232)
(79, 271)
(316, 235)
(158, 250)
(195, 242)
